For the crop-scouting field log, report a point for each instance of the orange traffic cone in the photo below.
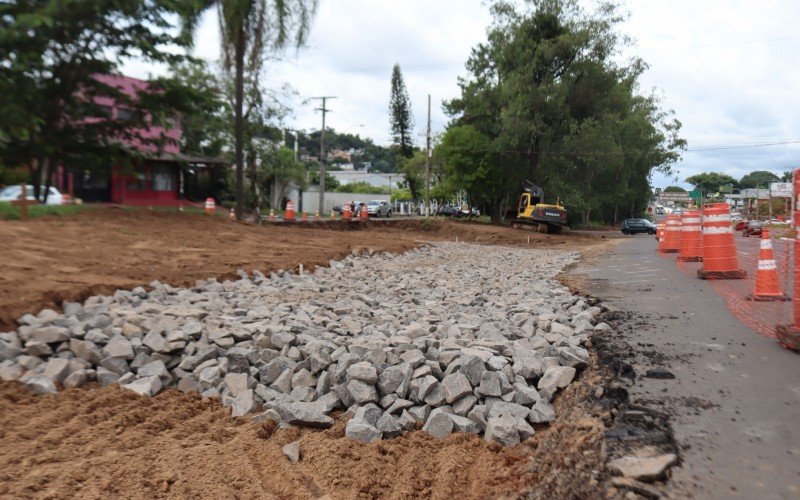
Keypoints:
(316, 216)
(210, 206)
(305, 216)
(346, 213)
(364, 213)
(289, 213)
(271, 215)
(659, 231)
(719, 249)
(672, 235)
(691, 237)
(768, 287)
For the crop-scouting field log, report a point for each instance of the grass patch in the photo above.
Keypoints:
(11, 212)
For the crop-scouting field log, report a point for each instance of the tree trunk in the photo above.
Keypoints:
(239, 122)
(586, 213)
(48, 179)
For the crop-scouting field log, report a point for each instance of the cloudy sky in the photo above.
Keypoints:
(729, 69)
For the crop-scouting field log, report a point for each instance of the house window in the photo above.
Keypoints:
(163, 178)
(136, 181)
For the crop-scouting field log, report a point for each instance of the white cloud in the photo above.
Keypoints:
(727, 67)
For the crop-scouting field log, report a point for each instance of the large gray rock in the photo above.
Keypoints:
(41, 385)
(363, 371)
(541, 413)
(49, 334)
(556, 378)
(148, 386)
(362, 431)
(438, 425)
(292, 451)
(490, 384)
(56, 369)
(362, 392)
(87, 350)
(502, 430)
(456, 385)
(304, 415)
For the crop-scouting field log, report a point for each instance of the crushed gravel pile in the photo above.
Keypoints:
(454, 337)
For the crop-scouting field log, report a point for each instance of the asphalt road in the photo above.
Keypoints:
(735, 401)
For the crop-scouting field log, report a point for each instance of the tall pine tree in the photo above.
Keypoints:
(400, 114)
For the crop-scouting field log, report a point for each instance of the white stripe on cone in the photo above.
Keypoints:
(691, 229)
(718, 218)
(767, 265)
(691, 220)
(717, 230)
(766, 244)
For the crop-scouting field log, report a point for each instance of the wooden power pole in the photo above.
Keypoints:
(428, 161)
(322, 158)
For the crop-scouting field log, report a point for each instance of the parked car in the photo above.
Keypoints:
(448, 210)
(12, 193)
(634, 226)
(753, 228)
(736, 217)
(740, 225)
(465, 211)
(778, 222)
(379, 208)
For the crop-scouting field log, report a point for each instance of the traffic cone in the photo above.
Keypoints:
(305, 216)
(210, 206)
(232, 215)
(672, 235)
(317, 218)
(346, 213)
(768, 288)
(271, 215)
(719, 249)
(691, 237)
(289, 213)
(364, 213)
(659, 231)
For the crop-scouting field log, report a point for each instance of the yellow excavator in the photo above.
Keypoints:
(533, 212)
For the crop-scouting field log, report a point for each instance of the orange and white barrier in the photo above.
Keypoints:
(364, 213)
(316, 216)
(691, 245)
(289, 213)
(719, 249)
(346, 213)
(210, 207)
(305, 216)
(672, 235)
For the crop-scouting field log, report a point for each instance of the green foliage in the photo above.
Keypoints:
(361, 187)
(11, 212)
(414, 170)
(787, 176)
(331, 183)
(53, 52)
(759, 178)
(709, 182)
(553, 104)
(401, 119)
(401, 195)
(674, 189)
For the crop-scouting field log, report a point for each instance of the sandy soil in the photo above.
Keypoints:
(95, 442)
(46, 261)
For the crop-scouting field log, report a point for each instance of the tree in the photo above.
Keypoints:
(558, 107)
(402, 121)
(55, 58)
(251, 28)
(709, 182)
(414, 170)
(279, 170)
(674, 189)
(787, 176)
(758, 178)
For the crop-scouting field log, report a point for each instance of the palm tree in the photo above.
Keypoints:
(250, 29)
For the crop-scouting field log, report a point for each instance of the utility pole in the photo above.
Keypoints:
(428, 161)
(322, 159)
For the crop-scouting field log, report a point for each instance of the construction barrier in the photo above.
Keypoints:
(672, 234)
(720, 260)
(316, 216)
(210, 206)
(767, 285)
(691, 243)
(662, 240)
(289, 213)
(232, 215)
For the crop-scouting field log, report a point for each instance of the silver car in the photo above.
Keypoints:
(379, 208)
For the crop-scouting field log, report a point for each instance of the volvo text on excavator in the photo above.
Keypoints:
(532, 211)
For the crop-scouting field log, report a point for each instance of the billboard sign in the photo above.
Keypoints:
(780, 189)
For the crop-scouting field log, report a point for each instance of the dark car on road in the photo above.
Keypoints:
(753, 228)
(447, 210)
(635, 226)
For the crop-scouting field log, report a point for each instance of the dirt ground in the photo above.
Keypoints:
(94, 442)
(47, 261)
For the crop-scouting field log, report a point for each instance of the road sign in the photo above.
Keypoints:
(780, 189)
(695, 193)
